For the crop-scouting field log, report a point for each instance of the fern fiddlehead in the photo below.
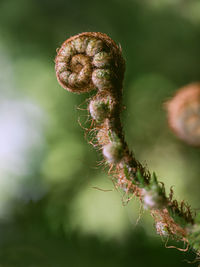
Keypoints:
(184, 114)
(93, 61)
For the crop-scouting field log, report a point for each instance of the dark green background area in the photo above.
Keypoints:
(56, 219)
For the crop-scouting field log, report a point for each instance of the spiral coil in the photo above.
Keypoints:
(89, 61)
(184, 114)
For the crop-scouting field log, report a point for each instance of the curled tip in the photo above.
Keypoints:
(89, 61)
(184, 114)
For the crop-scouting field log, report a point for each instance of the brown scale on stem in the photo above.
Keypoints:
(93, 61)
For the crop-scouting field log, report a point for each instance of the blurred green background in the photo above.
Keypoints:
(50, 214)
